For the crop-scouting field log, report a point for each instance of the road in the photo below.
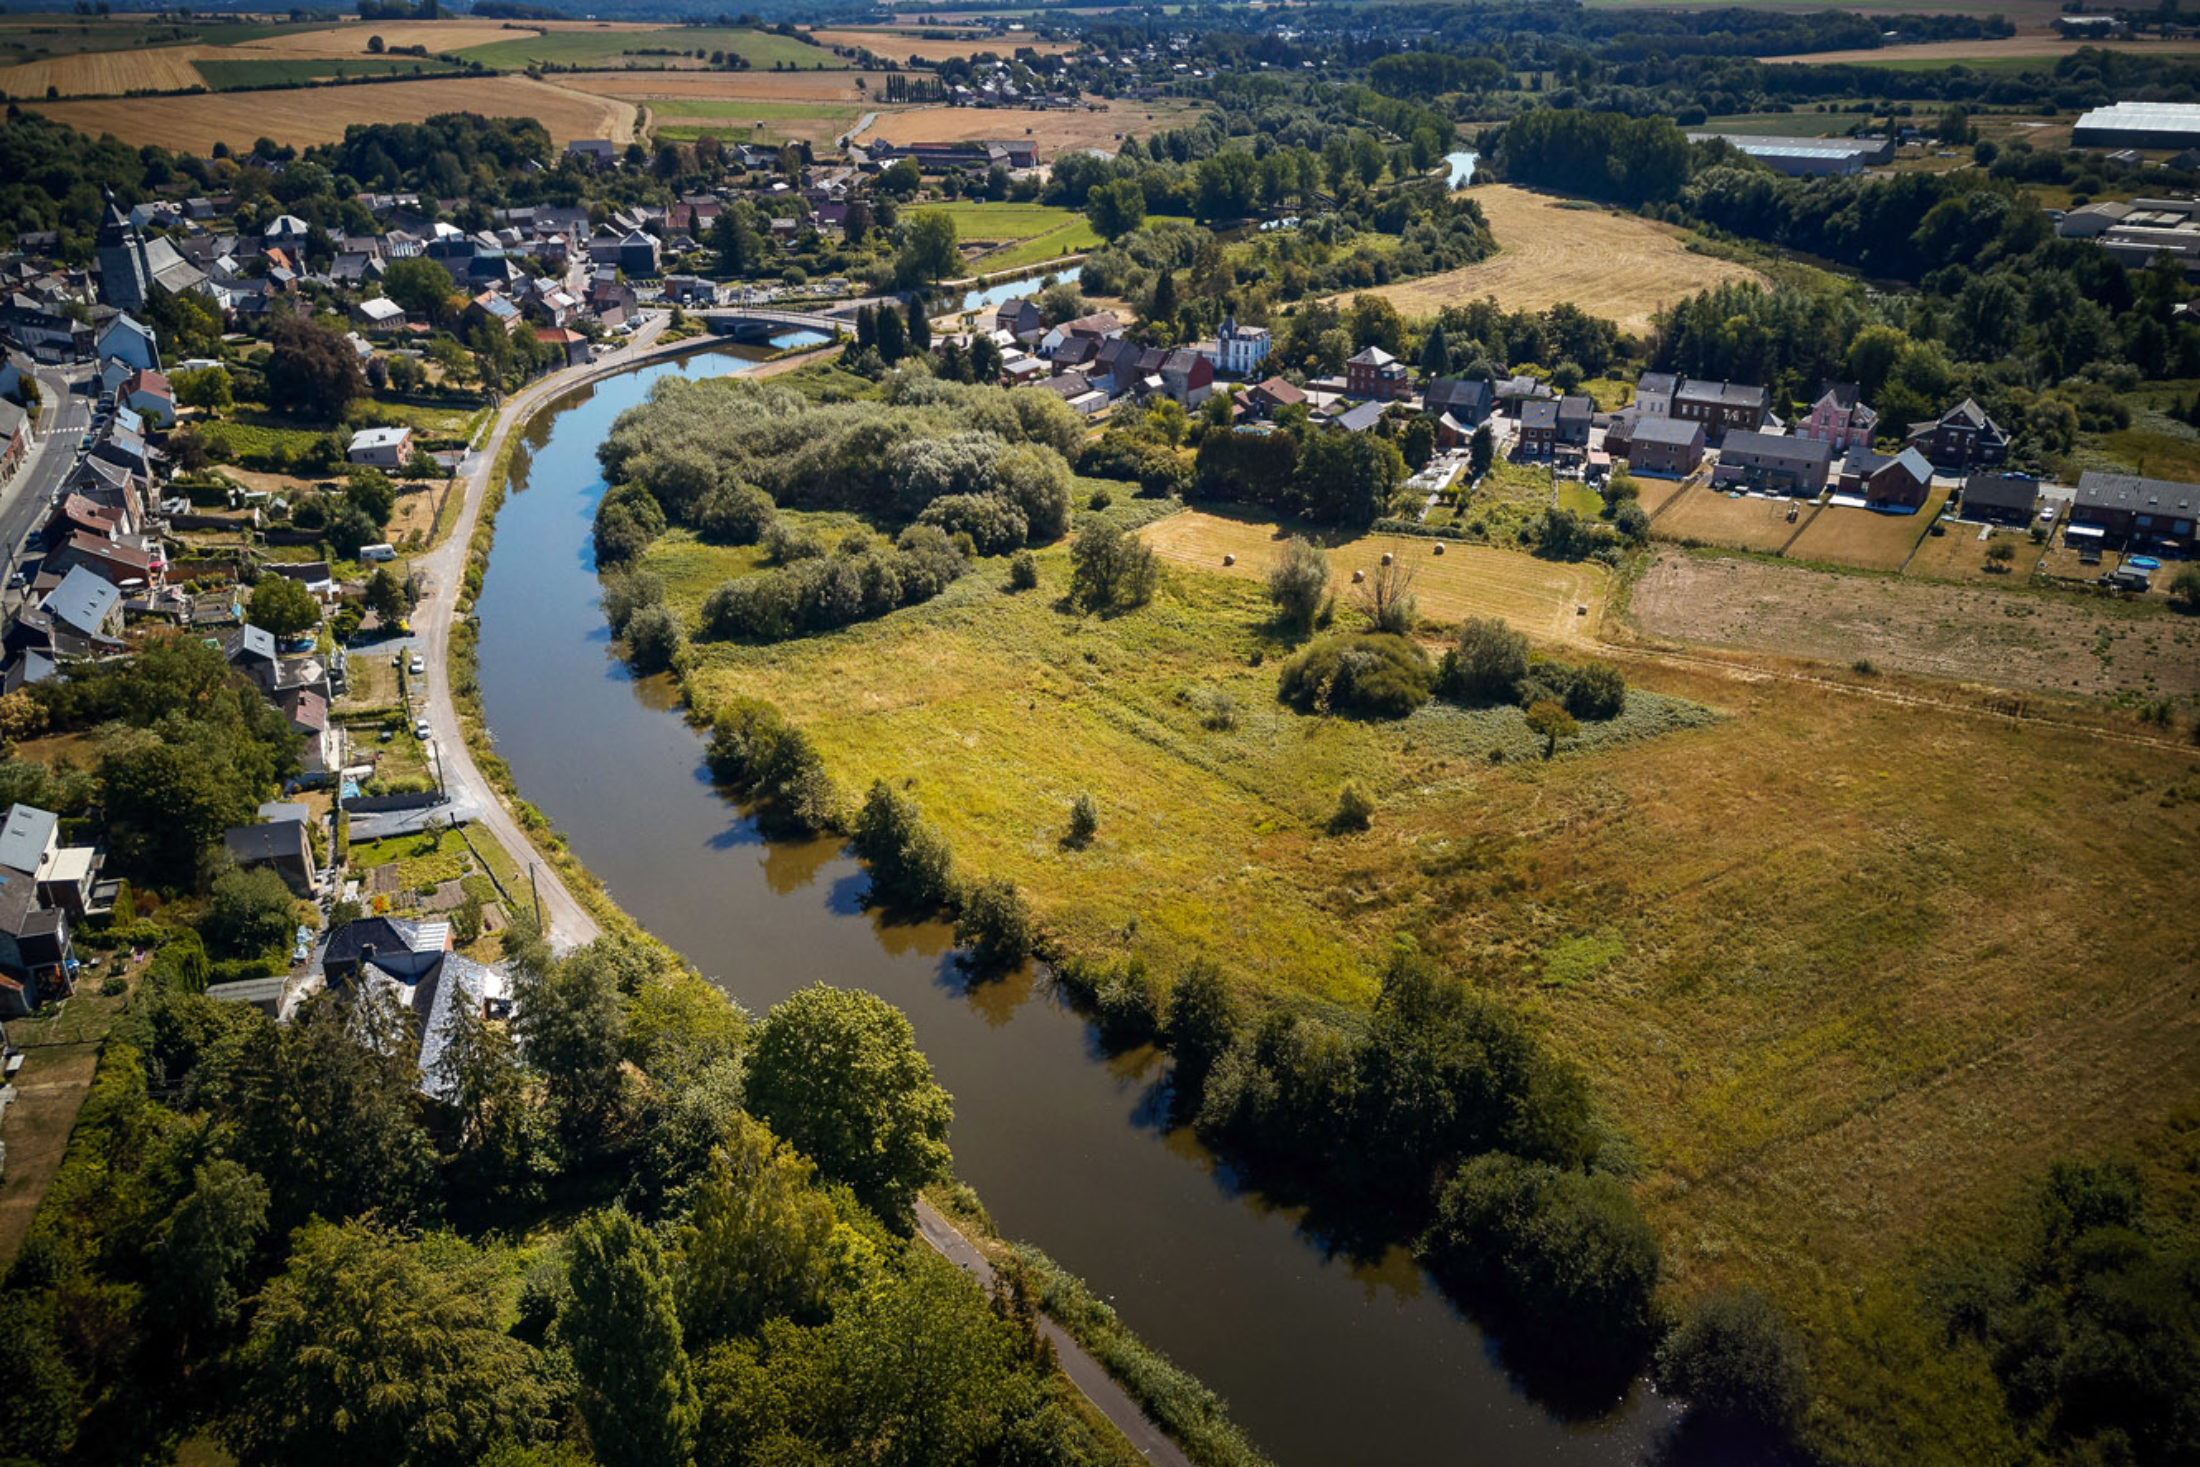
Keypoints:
(26, 497)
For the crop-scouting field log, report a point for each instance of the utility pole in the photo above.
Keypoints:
(536, 892)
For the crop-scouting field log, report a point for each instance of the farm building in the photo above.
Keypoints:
(2120, 508)
(1670, 446)
(2139, 125)
(1812, 156)
(1999, 497)
(1770, 462)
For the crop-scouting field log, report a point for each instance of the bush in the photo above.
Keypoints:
(1565, 1256)
(1298, 581)
(626, 593)
(1372, 673)
(2184, 588)
(1550, 722)
(248, 913)
(1110, 568)
(754, 749)
(734, 514)
(909, 860)
(992, 521)
(1734, 1358)
(1488, 661)
(1355, 809)
(653, 638)
(1023, 571)
(995, 924)
(1597, 691)
(1084, 820)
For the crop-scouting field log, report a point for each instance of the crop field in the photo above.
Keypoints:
(320, 114)
(1023, 234)
(813, 122)
(235, 72)
(1541, 597)
(1609, 264)
(1707, 516)
(762, 49)
(729, 86)
(2002, 635)
(112, 73)
(906, 45)
(1054, 131)
(350, 38)
(1861, 537)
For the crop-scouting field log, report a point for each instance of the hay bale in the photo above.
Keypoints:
(1229, 560)
(1358, 576)
(1439, 547)
(1386, 557)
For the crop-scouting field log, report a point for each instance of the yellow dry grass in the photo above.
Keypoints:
(350, 39)
(901, 45)
(1052, 131)
(1706, 516)
(729, 86)
(1862, 537)
(320, 114)
(1608, 264)
(1541, 597)
(111, 73)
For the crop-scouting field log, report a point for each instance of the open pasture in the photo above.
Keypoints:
(320, 114)
(1541, 597)
(1053, 130)
(763, 50)
(1020, 234)
(717, 87)
(1845, 535)
(1706, 516)
(1607, 263)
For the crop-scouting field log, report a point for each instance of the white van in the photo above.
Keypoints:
(378, 552)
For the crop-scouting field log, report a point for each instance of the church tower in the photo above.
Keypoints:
(120, 249)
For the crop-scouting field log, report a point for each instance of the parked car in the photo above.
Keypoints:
(417, 666)
(422, 731)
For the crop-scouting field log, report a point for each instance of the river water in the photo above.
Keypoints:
(1322, 1359)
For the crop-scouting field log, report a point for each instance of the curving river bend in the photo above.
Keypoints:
(1322, 1360)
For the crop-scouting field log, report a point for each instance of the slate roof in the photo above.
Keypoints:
(24, 837)
(82, 601)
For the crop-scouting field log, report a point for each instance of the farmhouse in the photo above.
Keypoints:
(1538, 429)
(1272, 394)
(1779, 465)
(2125, 509)
(381, 448)
(1999, 497)
(1467, 399)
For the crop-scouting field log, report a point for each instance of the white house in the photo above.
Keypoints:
(381, 448)
(1239, 350)
(131, 341)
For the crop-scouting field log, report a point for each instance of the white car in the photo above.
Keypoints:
(422, 731)
(418, 665)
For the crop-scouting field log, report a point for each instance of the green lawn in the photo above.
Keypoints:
(763, 50)
(1031, 233)
(225, 76)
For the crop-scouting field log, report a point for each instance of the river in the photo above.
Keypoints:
(1322, 1359)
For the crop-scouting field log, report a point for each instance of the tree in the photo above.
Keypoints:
(1551, 722)
(312, 370)
(208, 389)
(371, 1349)
(1487, 662)
(167, 801)
(928, 248)
(1110, 568)
(249, 914)
(1298, 582)
(1347, 478)
(283, 606)
(995, 924)
(755, 1244)
(1481, 449)
(893, 336)
(1355, 808)
(1203, 1022)
(1084, 819)
(370, 491)
(637, 1391)
(200, 1253)
(385, 596)
(1735, 1358)
(504, 1149)
(570, 1024)
(920, 327)
(1117, 208)
(421, 285)
(837, 1073)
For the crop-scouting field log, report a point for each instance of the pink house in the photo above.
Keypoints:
(1839, 418)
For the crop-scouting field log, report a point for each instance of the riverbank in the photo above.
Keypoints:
(576, 905)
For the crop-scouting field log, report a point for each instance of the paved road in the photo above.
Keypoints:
(25, 498)
(1084, 1372)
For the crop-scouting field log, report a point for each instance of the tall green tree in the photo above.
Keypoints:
(637, 1390)
(754, 1247)
(571, 1024)
(283, 606)
(928, 248)
(838, 1074)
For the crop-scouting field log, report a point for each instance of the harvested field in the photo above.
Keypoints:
(2012, 637)
(1706, 516)
(1053, 131)
(622, 45)
(320, 114)
(112, 73)
(812, 122)
(350, 39)
(2048, 49)
(1608, 264)
(1538, 596)
(1846, 535)
(729, 86)
(902, 45)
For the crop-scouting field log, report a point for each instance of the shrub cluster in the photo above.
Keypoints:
(909, 860)
(754, 750)
(813, 593)
(1491, 663)
(1375, 674)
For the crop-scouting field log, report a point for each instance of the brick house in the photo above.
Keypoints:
(2000, 497)
(1887, 481)
(1775, 464)
(1666, 446)
(1377, 375)
(1722, 407)
(1839, 417)
(1961, 439)
(2126, 509)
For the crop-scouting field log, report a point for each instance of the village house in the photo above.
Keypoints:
(1961, 439)
(2003, 498)
(413, 965)
(281, 845)
(149, 396)
(1095, 327)
(381, 448)
(131, 342)
(1773, 463)
(1839, 417)
(1538, 429)
(67, 877)
(1376, 374)
(82, 616)
(1722, 408)
(1886, 481)
(1238, 351)
(1188, 377)
(1575, 415)
(379, 314)
(1467, 399)
(15, 438)
(491, 309)
(2126, 510)
(1654, 394)
(1670, 447)
(1265, 397)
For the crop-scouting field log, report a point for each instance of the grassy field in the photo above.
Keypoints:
(1052, 131)
(1022, 234)
(1609, 264)
(1781, 124)
(1861, 537)
(1702, 515)
(320, 114)
(752, 121)
(907, 45)
(1540, 597)
(227, 75)
(1829, 957)
(762, 49)
(1960, 554)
